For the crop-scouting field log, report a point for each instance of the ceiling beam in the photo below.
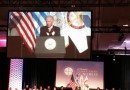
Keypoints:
(64, 3)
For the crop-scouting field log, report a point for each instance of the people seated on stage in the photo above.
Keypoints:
(50, 29)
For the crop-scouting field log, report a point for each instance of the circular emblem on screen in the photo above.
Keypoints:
(75, 20)
(50, 44)
(68, 71)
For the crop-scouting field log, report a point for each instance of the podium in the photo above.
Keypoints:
(50, 47)
(17, 49)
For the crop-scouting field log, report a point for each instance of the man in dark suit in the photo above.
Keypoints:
(49, 29)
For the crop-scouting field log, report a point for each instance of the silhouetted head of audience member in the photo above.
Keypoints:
(98, 88)
(45, 89)
(106, 89)
(113, 88)
(41, 88)
(54, 88)
(30, 88)
(48, 87)
(27, 86)
(61, 88)
(35, 87)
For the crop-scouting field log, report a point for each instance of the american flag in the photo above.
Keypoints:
(23, 22)
(28, 25)
(72, 83)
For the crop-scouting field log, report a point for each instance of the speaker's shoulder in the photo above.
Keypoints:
(44, 27)
(57, 28)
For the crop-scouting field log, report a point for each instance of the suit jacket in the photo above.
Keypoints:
(55, 31)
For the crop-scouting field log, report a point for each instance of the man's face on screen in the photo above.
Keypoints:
(49, 21)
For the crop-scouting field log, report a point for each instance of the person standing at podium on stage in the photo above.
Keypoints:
(50, 29)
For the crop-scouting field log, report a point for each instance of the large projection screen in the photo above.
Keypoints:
(87, 74)
(25, 27)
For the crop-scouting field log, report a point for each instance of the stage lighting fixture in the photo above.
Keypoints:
(125, 25)
(97, 57)
(114, 59)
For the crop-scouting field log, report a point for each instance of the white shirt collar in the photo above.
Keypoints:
(50, 27)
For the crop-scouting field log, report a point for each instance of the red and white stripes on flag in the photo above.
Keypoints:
(72, 83)
(24, 25)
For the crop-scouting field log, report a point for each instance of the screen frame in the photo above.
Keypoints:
(90, 11)
(80, 60)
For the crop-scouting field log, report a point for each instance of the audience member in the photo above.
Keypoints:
(27, 87)
(45, 89)
(113, 88)
(30, 88)
(54, 88)
(61, 88)
(78, 88)
(98, 88)
(41, 88)
(35, 87)
(48, 88)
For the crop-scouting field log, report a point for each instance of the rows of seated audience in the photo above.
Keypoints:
(58, 88)
(40, 88)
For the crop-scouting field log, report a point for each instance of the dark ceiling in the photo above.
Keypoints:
(105, 12)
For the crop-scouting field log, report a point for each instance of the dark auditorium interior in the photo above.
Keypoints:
(110, 42)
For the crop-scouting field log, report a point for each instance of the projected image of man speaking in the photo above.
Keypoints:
(50, 29)
(70, 31)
